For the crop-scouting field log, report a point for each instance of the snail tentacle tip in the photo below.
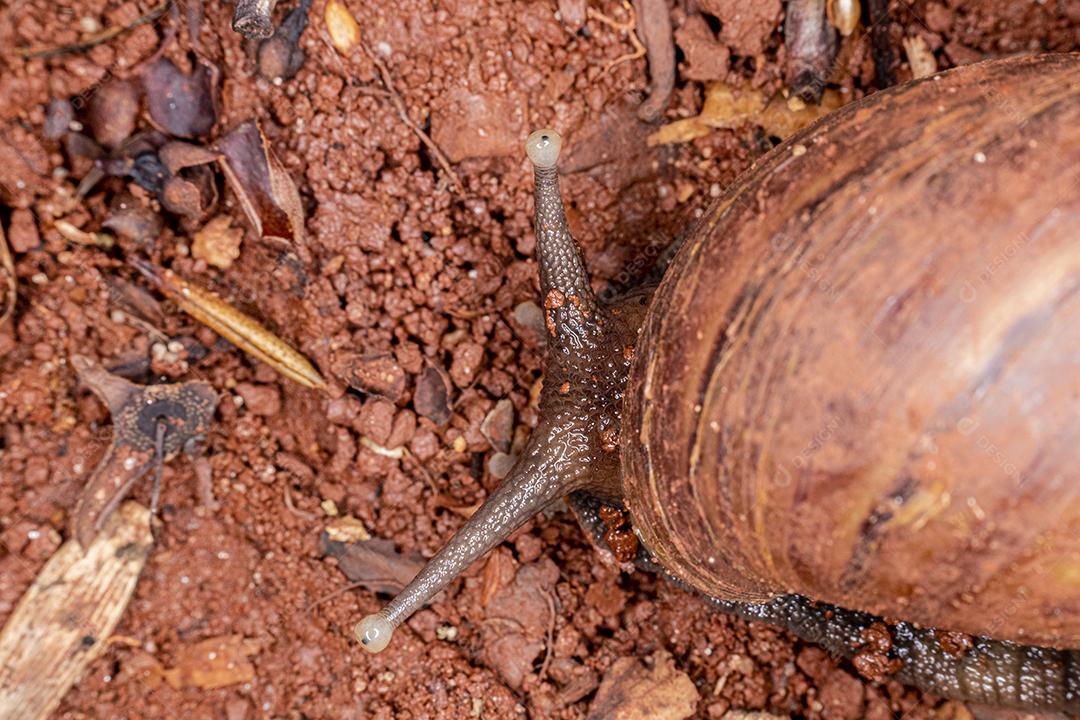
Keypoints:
(374, 632)
(543, 148)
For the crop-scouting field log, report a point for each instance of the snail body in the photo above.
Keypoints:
(853, 394)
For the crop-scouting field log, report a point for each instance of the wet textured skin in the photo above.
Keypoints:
(584, 386)
(575, 446)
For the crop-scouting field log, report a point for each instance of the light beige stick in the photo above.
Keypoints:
(62, 622)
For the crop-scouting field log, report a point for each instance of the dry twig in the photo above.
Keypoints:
(97, 38)
(403, 113)
(627, 27)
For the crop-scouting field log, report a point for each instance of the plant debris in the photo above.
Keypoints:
(213, 663)
(262, 185)
(7, 270)
(373, 564)
(654, 25)
(113, 111)
(730, 108)
(341, 26)
(129, 217)
(140, 415)
(81, 237)
(218, 242)
(632, 691)
(252, 18)
(96, 38)
(280, 56)
(62, 622)
(238, 328)
(432, 397)
(811, 46)
(180, 105)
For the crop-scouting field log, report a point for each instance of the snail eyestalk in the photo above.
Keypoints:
(569, 303)
(532, 485)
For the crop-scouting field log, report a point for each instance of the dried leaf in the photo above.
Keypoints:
(280, 56)
(180, 105)
(178, 155)
(920, 58)
(498, 426)
(130, 218)
(264, 188)
(432, 396)
(374, 563)
(499, 571)
(214, 663)
(135, 301)
(347, 530)
(7, 270)
(783, 117)
(62, 621)
(500, 464)
(191, 195)
(238, 328)
(724, 107)
(630, 691)
(729, 108)
(342, 27)
(59, 114)
(218, 243)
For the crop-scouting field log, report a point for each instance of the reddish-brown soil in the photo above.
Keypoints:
(396, 262)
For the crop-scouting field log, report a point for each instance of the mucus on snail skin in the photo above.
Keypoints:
(574, 446)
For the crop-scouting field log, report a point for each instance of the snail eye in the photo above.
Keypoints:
(543, 148)
(374, 633)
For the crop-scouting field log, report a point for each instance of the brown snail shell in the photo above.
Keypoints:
(862, 381)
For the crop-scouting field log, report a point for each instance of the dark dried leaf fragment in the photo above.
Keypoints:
(180, 105)
(130, 218)
(112, 112)
(177, 155)
(432, 397)
(264, 188)
(191, 194)
(280, 56)
(374, 563)
(498, 426)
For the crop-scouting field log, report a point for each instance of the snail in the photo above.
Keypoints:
(852, 396)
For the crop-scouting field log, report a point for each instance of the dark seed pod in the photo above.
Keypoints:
(112, 112)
